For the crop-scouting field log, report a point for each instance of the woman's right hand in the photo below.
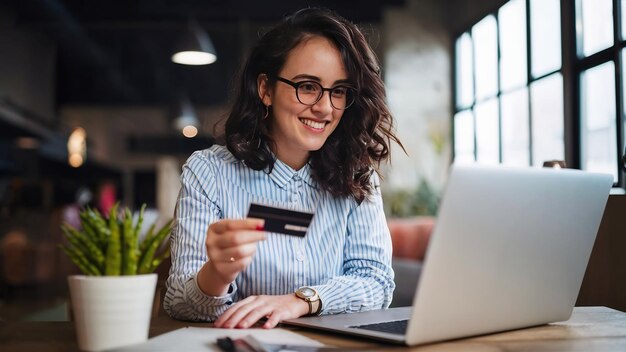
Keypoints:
(230, 246)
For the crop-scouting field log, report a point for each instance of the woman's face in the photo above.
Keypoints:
(296, 128)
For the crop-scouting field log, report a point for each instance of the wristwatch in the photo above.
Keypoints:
(309, 295)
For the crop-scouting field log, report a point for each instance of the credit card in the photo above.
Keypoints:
(285, 221)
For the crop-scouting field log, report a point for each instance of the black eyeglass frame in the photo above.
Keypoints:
(296, 85)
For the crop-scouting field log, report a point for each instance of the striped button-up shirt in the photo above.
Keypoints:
(345, 255)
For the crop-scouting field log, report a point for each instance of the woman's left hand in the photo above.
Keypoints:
(248, 311)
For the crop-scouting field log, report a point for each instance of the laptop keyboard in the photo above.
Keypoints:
(394, 327)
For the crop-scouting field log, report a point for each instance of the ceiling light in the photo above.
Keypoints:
(75, 160)
(77, 147)
(186, 119)
(190, 131)
(194, 47)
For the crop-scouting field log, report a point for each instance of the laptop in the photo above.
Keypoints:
(509, 250)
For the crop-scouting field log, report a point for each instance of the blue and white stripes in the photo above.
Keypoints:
(346, 254)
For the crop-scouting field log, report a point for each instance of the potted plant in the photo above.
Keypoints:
(112, 301)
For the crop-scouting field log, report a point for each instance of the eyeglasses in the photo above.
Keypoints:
(310, 92)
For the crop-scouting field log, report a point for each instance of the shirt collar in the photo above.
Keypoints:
(282, 173)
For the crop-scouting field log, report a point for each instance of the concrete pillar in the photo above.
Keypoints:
(417, 76)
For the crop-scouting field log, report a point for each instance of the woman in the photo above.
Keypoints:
(307, 131)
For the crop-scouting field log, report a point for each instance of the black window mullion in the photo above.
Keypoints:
(499, 86)
(603, 56)
(498, 95)
(455, 98)
(619, 103)
(473, 105)
(570, 69)
(529, 79)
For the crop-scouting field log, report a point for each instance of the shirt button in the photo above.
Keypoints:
(300, 256)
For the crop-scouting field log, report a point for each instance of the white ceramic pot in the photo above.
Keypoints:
(111, 311)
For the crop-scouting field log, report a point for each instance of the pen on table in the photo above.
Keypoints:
(226, 344)
(246, 344)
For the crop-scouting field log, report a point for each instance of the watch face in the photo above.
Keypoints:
(307, 292)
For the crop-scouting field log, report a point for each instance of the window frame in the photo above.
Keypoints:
(571, 70)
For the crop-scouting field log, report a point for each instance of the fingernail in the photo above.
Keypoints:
(260, 227)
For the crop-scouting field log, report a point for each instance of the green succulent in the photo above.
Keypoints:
(111, 247)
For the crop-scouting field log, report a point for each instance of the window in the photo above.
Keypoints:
(464, 137)
(487, 139)
(546, 97)
(512, 26)
(545, 36)
(598, 137)
(515, 135)
(598, 55)
(486, 54)
(531, 89)
(596, 30)
(464, 63)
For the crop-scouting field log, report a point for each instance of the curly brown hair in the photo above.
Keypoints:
(344, 164)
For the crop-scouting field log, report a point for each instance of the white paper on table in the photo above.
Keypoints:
(204, 339)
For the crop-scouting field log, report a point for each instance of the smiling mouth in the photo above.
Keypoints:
(313, 124)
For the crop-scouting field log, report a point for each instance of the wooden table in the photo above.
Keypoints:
(589, 329)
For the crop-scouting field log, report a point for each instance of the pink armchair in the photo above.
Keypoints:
(410, 236)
